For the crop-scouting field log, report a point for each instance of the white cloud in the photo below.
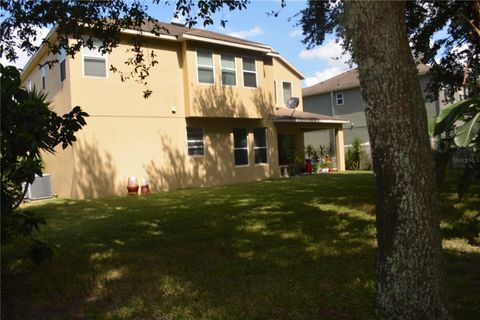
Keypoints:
(331, 51)
(247, 33)
(325, 74)
(332, 55)
(23, 57)
(296, 33)
(180, 20)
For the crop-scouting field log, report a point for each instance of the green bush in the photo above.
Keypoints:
(356, 158)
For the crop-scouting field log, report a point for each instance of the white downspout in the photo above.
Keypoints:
(332, 107)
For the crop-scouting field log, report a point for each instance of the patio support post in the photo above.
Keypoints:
(339, 143)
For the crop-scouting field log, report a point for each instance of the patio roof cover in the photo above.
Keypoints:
(306, 120)
(287, 119)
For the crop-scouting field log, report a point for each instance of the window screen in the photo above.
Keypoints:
(195, 143)
(94, 62)
(240, 146)
(260, 145)
(43, 70)
(249, 73)
(287, 91)
(63, 65)
(205, 66)
(229, 76)
(340, 98)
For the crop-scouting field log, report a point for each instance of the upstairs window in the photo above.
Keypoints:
(287, 91)
(275, 91)
(63, 64)
(229, 76)
(205, 72)
(249, 73)
(240, 147)
(195, 143)
(339, 98)
(43, 71)
(94, 62)
(260, 145)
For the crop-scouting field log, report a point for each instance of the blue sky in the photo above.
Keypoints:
(280, 33)
(254, 24)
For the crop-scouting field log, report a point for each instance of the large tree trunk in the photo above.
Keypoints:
(409, 245)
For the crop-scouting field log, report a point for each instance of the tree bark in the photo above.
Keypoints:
(410, 282)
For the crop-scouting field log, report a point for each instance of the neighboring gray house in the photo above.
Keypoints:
(340, 97)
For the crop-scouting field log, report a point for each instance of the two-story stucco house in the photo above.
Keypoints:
(340, 96)
(217, 114)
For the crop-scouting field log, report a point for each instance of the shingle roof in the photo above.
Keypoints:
(179, 30)
(346, 80)
(176, 30)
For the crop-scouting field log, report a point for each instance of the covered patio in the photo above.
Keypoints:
(292, 124)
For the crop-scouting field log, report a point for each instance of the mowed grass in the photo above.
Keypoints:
(301, 248)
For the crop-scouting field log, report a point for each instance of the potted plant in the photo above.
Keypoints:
(310, 153)
(315, 156)
(294, 163)
(316, 167)
(324, 167)
(329, 164)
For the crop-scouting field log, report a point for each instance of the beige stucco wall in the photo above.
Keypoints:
(281, 73)
(156, 148)
(127, 135)
(216, 100)
(113, 98)
(60, 165)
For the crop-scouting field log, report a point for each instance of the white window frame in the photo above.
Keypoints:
(43, 72)
(62, 58)
(29, 85)
(243, 148)
(283, 95)
(230, 69)
(203, 143)
(339, 96)
(257, 148)
(205, 66)
(248, 71)
(275, 92)
(101, 57)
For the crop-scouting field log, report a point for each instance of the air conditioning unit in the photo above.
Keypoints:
(41, 188)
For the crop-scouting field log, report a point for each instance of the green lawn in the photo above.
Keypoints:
(302, 248)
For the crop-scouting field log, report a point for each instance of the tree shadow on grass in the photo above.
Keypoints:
(463, 283)
(265, 250)
(226, 253)
(459, 217)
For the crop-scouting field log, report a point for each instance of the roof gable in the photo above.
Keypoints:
(344, 81)
(177, 30)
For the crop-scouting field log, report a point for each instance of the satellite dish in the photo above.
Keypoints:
(292, 103)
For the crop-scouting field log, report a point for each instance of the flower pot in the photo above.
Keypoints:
(308, 166)
(132, 186)
(144, 189)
